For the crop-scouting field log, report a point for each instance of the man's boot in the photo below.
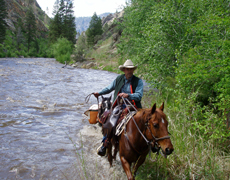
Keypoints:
(101, 150)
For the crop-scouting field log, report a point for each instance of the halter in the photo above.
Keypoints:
(147, 125)
(106, 107)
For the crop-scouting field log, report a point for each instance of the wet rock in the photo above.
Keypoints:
(89, 65)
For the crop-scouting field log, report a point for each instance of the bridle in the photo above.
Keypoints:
(106, 105)
(155, 144)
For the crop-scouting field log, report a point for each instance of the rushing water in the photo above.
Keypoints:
(43, 133)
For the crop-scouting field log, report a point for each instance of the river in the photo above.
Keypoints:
(43, 132)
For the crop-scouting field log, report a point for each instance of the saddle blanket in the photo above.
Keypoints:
(120, 127)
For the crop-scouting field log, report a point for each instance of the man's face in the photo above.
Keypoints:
(128, 72)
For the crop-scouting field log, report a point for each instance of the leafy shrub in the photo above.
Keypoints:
(187, 43)
(62, 50)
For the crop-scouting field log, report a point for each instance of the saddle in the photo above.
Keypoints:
(115, 121)
(122, 124)
(104, 117)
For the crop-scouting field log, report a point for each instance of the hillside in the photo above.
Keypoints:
(104, 54)
(82, 23)
(17, 10)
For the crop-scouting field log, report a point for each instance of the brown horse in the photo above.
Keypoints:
(147, 128)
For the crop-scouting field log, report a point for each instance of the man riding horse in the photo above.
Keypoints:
(127, 86)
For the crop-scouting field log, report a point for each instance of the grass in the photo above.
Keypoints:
(193, 158)
(105, 58)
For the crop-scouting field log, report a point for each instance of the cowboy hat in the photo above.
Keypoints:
(128, 64)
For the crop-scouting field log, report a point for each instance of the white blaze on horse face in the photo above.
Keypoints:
(105, 105)
(162, 120)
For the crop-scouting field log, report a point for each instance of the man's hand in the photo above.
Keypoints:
(96, 94)
(124, 95)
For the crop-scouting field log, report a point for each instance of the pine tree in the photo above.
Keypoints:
(69, 27)
(3, 25)
(55, 29)
(63, 23)
(30, 27)
(95, 28)
(55, 7)
(20, 33)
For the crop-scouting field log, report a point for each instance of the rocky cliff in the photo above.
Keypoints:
(109, 19)
(82, 23)
(17, 10)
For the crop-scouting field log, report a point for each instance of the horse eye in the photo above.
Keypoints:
(155, 125)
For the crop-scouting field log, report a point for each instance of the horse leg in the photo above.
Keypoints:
(138, 163)
(127, 168)
(115, 150)
(110, 157)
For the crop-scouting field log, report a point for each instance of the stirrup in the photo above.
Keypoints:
(99, 147)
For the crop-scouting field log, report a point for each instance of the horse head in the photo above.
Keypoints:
(157, 129)
(105, 105)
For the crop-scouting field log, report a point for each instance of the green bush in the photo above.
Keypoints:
(62, 50)
(183, 47)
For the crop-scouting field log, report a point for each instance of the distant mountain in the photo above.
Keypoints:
(82, 23)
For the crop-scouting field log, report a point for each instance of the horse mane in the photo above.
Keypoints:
(145, 114)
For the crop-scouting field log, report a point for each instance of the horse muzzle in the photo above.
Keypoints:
(168, 151)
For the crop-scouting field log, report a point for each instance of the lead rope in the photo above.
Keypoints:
(88, 97)
(87, 100)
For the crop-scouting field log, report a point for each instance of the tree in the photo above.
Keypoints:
(3, 25)
(55, 29)
(95, 28)
(55, 7)
(30, 27)
(63, 23)
(69, 26)
(183, 47)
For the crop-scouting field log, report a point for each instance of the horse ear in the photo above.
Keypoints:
(102, 97)
(162, 107)
(153, 108)
(110, 98)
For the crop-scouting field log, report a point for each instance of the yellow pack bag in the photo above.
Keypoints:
(92, 113)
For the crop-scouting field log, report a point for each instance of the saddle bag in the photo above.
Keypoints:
(92, 114)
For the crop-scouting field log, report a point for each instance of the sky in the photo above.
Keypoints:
(84, 8)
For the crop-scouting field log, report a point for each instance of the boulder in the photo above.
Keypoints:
(89, 65)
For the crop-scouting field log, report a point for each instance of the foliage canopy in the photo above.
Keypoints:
(183, 46)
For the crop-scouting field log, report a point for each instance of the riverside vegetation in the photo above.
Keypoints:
(182, 48)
